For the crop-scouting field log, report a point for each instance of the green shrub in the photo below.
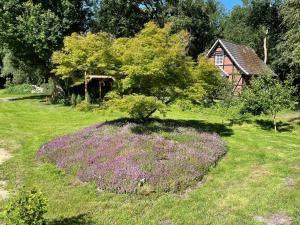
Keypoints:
(28, 208)
(88, 98)
(138, 107)
(78, 100)
(18, 89)
(84, 106)
(48, 88)
(73, 100)
(231, 109)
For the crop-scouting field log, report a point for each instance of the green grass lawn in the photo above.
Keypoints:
(3, 94)
(249, 181)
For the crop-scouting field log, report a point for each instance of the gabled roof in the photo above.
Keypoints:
(243, 56)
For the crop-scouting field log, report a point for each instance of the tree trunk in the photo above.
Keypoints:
(85, 87)
(274, 122)
(58, 91)
(266, 46)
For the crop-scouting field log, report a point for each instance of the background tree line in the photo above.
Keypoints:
(30, 31)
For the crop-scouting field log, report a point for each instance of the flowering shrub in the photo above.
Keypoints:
(133, 158)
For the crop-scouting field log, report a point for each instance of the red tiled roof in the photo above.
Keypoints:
(244, 57)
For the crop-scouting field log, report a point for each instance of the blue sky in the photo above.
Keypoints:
(230, 3)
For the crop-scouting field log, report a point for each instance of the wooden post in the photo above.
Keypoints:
(85, 86)
(100, 89)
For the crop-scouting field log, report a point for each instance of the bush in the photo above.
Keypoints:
(84, 106)
(138, 107)
(48, 87)
(18, 89)
(78, 99)
(28, 208)
(73, 100)
(133, 158)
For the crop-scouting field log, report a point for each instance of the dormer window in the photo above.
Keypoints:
(219, 59)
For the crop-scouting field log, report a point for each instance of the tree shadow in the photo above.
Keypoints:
(268, 125)
(32, 97)
(155, 125)
(295, 119)
(82, 219)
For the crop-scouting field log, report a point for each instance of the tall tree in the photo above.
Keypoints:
(257, 24)
(199, 18)
(126, 17)
(265, 15)
(236, 28)
(31, 30)
(122, 18)
(289, 47)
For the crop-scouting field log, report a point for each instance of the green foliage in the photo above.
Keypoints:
(154, 62)
(236, 28)
(28, 208)
(78, 99)
(208, 83)
(269, 95)
(151, 64)
(18, 89)
(199, 18)
(289, 47)
(90, 53)
(121, 18)
(84, 106)
(73, 100)
(251, 23)
(138, 107)
(231, 108)
(32, 30)
(126, 18)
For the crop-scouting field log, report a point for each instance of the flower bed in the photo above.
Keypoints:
(133, 158)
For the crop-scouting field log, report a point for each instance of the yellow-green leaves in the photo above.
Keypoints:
(153, 67)
(89, 53)
(155, 61)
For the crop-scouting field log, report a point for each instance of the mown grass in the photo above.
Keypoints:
(4, 94)
(249, 181)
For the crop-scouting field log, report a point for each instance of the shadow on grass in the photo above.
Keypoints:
(169, 125)
(82, 219)
(33, 97)
(268, 125)
(295, 119)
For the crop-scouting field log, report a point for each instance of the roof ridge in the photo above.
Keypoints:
(231, 42)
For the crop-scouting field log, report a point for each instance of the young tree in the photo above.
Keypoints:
(270, 95)
(90, 53)
(154, 63)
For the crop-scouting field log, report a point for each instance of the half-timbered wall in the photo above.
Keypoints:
(234, 74)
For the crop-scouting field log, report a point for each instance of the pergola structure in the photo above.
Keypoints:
(101, 78)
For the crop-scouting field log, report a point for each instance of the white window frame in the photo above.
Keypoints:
(219, 59)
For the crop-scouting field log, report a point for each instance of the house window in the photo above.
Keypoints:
(219, 60)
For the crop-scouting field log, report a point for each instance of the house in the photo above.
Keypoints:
(236, 62)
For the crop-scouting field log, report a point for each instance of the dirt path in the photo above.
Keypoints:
(4, 156)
